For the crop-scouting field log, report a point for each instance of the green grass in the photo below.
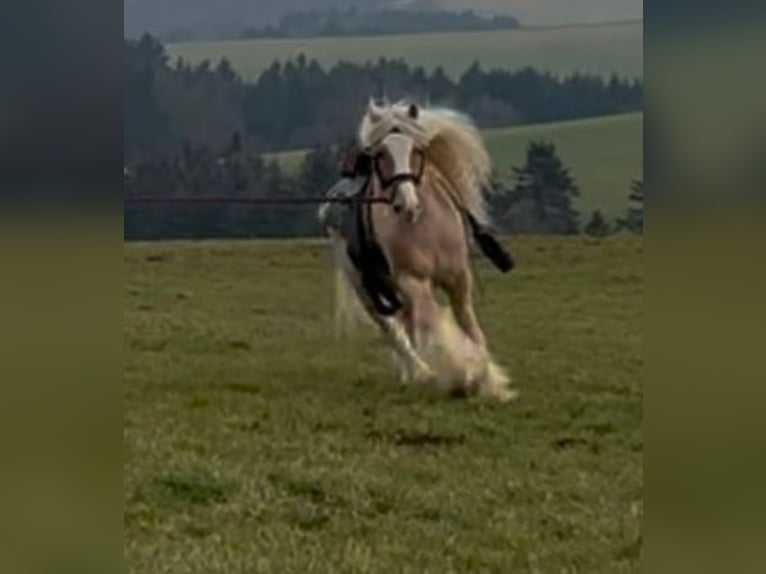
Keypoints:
(605, 154)
(254, 442)
(598, 49)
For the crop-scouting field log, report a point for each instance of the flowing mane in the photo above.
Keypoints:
(453, 146)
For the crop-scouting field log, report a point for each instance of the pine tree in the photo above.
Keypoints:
(541, 198)
(597, 226)
(499, 199)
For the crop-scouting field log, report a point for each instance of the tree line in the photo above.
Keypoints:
(299, 104)
(355, 22)
(193, 130)
(232, 172)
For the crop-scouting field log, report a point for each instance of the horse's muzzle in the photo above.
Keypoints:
(405, 200)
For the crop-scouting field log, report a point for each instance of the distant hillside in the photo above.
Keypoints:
(208, 19)
(555, 12)
(218, 18)
(605, 154)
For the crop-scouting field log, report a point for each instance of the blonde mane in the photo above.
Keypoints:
(452, 144)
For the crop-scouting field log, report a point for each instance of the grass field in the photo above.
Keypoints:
(253, 442)
(598, 49)
(605, 154)
(554, 12)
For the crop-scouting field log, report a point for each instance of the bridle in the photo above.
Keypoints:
(369, 162)
(414, 178)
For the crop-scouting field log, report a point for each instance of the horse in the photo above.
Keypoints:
(426, 170)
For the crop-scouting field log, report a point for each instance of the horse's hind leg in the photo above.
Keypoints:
(460, 295)
(491, 379)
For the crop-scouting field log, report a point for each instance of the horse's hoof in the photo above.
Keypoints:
(423, 374)
(506, 395)
(459, 392)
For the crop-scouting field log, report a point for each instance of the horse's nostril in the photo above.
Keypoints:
(397, 208)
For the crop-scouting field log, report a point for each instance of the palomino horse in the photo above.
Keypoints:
(428, 168)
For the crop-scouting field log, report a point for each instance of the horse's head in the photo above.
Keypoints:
(399, 164)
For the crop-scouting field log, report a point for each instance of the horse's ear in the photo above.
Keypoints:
(373, 110)
(414, 111)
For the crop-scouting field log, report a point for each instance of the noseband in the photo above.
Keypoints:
(366, 163)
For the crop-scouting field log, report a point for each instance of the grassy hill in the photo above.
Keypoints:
(594, 48)
(211, 18)
(554, 12)
(605, 154)
(255, 442)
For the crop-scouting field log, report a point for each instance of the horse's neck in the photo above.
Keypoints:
(440, 189)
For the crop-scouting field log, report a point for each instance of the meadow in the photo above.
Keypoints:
(605, 155)
(256, 442)
(598, 49)
(554, 12)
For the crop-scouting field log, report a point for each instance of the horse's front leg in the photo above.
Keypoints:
(421, 314)
(413, 367)
(493, 381)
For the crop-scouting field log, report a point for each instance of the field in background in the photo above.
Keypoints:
(255, 442)
(605, 154)
(598, 49)
(554, 12)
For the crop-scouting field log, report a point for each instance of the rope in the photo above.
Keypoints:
(138, 199)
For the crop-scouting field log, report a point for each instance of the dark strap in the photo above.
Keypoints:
(368, 257)
(489, 245)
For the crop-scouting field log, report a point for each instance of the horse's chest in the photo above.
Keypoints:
(424, 250)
